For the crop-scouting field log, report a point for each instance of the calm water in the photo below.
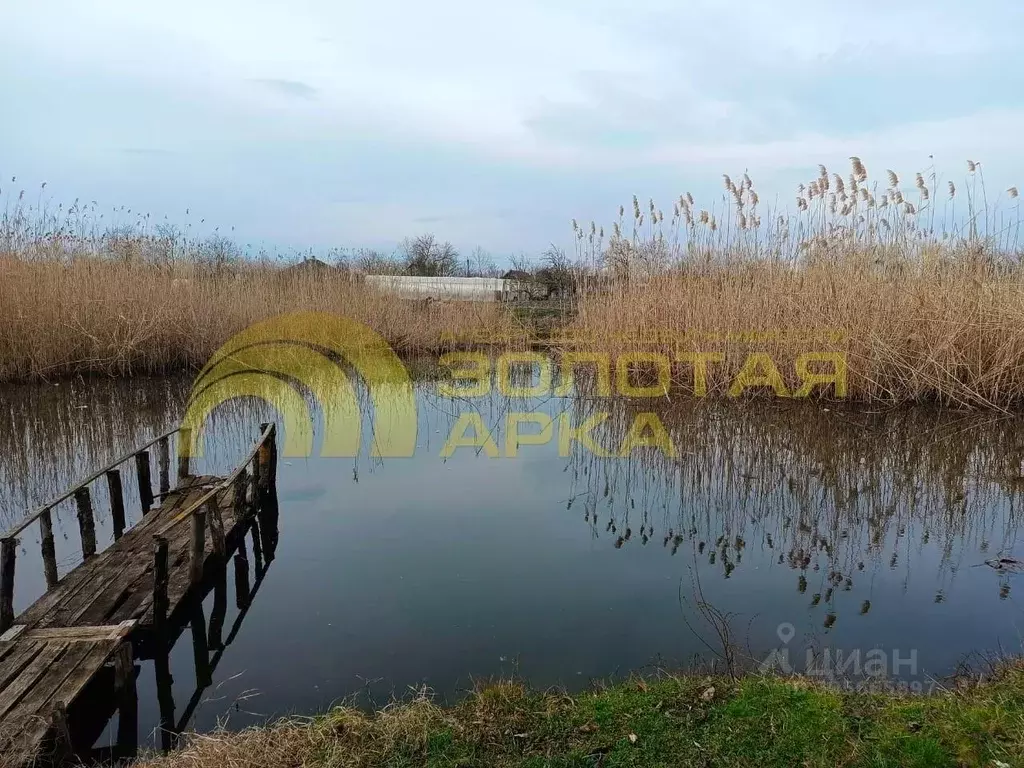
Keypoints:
(862, 530)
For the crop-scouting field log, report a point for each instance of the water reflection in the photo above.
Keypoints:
(860, 529)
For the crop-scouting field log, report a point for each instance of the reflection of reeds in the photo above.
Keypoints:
(828, 494)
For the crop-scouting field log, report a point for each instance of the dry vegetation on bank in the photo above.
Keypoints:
(125, 318)
(920, 284)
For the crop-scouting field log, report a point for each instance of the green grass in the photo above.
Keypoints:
(669, 721)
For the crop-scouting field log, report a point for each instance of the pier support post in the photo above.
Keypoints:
(145, 481)
(163, 463)
(220, 610)
(48, 548)
(216, 527)
(7, 555)
(59, 735)
(116, 501)
(241, 560)
(184, 452)
(127, 701)
(198, 550)
(160, 598)
(200, 649)
(86, 522)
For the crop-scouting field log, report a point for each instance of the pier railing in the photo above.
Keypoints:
(263, 453)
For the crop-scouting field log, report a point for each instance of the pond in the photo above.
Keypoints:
(775, 525)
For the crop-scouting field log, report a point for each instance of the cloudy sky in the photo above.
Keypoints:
(316, 123)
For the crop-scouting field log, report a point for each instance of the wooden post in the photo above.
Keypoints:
(145, 482)
(264, 460)
(165, 698)
(200, 650)
(238, 500)
(257, 548)
(7, 555)
(116, 501)
(220, 610)
(216, 526)
(127, 701)
(241, 577)
(59, 735)
(160, 598)
(184, 452)
(163, 463)
(86, 522)
(49, 550)
(254, 485)
(198, 551)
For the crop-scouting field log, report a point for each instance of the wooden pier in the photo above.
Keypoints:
(129, 601)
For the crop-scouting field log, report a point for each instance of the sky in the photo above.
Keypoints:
(316, 124)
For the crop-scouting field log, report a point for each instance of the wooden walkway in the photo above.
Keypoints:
(119, 602)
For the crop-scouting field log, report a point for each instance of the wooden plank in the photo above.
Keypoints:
(66, 677)
(11, 667)
(69, 634)
(9, 635)
(30, 675)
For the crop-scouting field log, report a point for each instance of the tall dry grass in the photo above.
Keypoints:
(97, 315)
(926, 302)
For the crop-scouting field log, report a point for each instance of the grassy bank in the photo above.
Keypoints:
(672, 721)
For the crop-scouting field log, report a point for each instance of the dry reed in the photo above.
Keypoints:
(927, 304)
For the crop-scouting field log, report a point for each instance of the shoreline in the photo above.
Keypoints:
(671, 720)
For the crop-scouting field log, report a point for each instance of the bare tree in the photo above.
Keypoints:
(482, 264)
(425, 257)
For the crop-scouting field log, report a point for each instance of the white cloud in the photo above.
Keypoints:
(248, 93)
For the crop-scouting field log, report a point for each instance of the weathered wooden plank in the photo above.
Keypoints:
(30, 675)
(94, 634)
(68, 674)
(22, 654)
(9, 635)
